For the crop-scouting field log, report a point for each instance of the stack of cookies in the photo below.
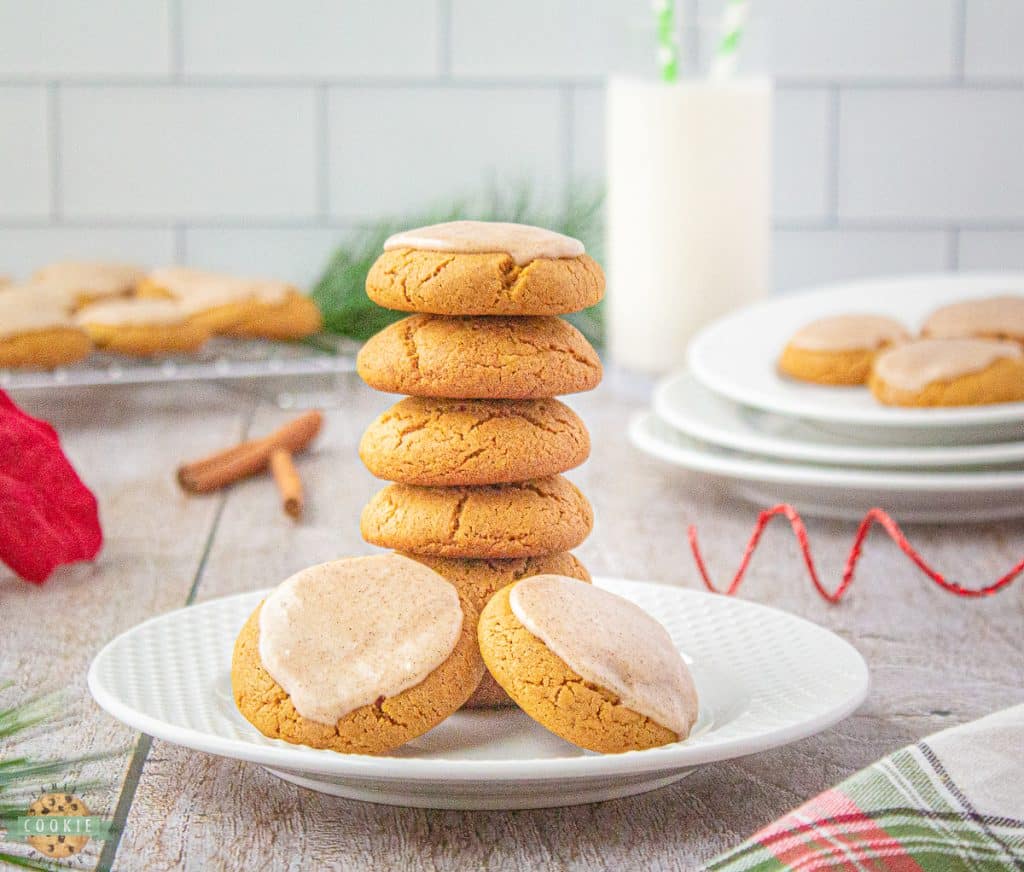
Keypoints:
(477, 448)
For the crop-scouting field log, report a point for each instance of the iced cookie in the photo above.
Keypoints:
(484, 268)
(36, 331)
(141, 328)
(503, 520)
(477, 581)
(590, 666)
(87, 282)
(463, 442)
(839, 350)
(992, 318)
(357, 655)
(950, 372)
(236, 306)
(480, 358)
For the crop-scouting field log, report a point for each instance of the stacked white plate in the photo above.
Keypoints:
(835, 451)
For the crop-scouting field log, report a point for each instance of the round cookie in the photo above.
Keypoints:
(839, 350)
(484, 268)
(141, 328)
(479, 358)
(37, 332)
(388, 721)
(477, 580)
(950, 372)
(558, 697)
(525, 519)
(89, 282)
(466, 442)
(236, 306)
(56, 845)
(991, 318)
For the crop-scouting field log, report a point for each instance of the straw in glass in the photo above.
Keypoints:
(668, 52)
(734, 18)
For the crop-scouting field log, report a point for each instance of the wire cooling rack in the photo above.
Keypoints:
(219, 359)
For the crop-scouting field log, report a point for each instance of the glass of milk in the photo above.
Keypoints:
(688, 211)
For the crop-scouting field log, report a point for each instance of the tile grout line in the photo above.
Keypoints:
(960, 40)
(953, 252)
(568, 139)
(444, 39)
(53, 106)
(176, 40)
(133, 776)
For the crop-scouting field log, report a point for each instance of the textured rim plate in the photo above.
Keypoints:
(736, 356)
(831, 492)
(765, 678)
(681, 401)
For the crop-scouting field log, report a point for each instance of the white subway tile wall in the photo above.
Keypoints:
(254, 135)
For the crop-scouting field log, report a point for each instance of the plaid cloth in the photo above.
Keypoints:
(954, 801)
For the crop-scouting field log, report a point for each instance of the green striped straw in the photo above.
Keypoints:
(668, 52)
(734, 18)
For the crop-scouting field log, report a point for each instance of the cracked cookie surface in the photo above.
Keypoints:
(466, 442)
(370, 729)
(525, 519)
(479, 358)
(551, 693)
(477, 580)
(491, 283)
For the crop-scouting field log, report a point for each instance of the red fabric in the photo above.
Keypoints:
(48, 517)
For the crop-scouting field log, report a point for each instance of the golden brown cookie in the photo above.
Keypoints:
(505, 520)
(990, 318)
(141, 328)
(369, 729)
(466, 442)
(36, 331)
(477, 580)
(839, 350)
(489, 283)
(480, 358)
(950, 372)
(57, 845)
(555, 696)
(298, 316)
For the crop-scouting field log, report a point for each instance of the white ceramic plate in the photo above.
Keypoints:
(833, 492)
(681, 401)
(764, 677)
(736, 357)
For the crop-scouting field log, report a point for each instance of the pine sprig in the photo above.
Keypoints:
(341, 291)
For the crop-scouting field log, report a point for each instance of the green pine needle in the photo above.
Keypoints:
(341, 291)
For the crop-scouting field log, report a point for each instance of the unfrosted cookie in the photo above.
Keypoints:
(590, 666)
(479, 358)
(477, 581)
(503, 520)
(36, 331)
(463, 442)
(406, 660)
(484, 268)
(950, 372)
(141, 328)
(991, 318)
(90, 282)
(839, 350)
(234, 305)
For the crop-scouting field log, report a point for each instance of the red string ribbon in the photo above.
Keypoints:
(800, 531)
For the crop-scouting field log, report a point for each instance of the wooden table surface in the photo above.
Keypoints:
(936, 660)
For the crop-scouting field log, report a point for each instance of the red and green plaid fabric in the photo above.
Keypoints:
(905, 812)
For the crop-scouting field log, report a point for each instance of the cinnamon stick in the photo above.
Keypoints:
(248, 458)
(288, 482)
